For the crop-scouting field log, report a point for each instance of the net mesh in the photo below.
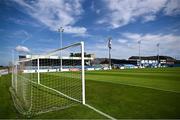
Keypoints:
(48, 82)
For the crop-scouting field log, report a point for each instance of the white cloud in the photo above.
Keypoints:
(94, 9)
(101, 21)
(98, 11)
(172, 8)
(123, 12)
(149, 18)
(56, 13)
(127, 45)
(20, 35)
(122, 41)
(78, 30)
(20, 48)
(169, 43)
(132, 35)
(24, 22)
(92, 6)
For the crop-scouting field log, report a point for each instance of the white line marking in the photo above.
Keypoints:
(53, 90)
(100, 112)
(60, 93)
(151, 88)
(139, 86)
(96, 110)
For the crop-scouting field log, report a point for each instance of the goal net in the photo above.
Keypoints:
(51, 81)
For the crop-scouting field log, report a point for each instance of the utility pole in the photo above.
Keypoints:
(61, 30)
(158, 62)
(109, 46)
(139, 42)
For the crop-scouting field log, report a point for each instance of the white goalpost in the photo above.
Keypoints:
(50, 81)
(40, 84)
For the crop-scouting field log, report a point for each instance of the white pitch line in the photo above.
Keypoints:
(142, 86)
(53, 90)
(96, 110)
(151, 88)
(100, 112)
(60, 93)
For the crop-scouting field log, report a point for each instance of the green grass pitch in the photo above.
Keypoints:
(132, 93)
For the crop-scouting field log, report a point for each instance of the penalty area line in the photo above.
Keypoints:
(100, 112)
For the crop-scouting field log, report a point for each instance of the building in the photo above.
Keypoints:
(116, 63)
(152, 61)
(29, 63)
(133, 62)
(56, 59)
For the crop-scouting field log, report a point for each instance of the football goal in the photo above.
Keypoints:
(50, 81)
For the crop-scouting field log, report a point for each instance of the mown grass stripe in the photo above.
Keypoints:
(138, 86)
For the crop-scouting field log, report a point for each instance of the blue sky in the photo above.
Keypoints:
(31, 25)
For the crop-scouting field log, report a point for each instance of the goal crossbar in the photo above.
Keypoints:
(52, 52)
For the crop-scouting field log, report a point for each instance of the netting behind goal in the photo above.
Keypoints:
(47, 82)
